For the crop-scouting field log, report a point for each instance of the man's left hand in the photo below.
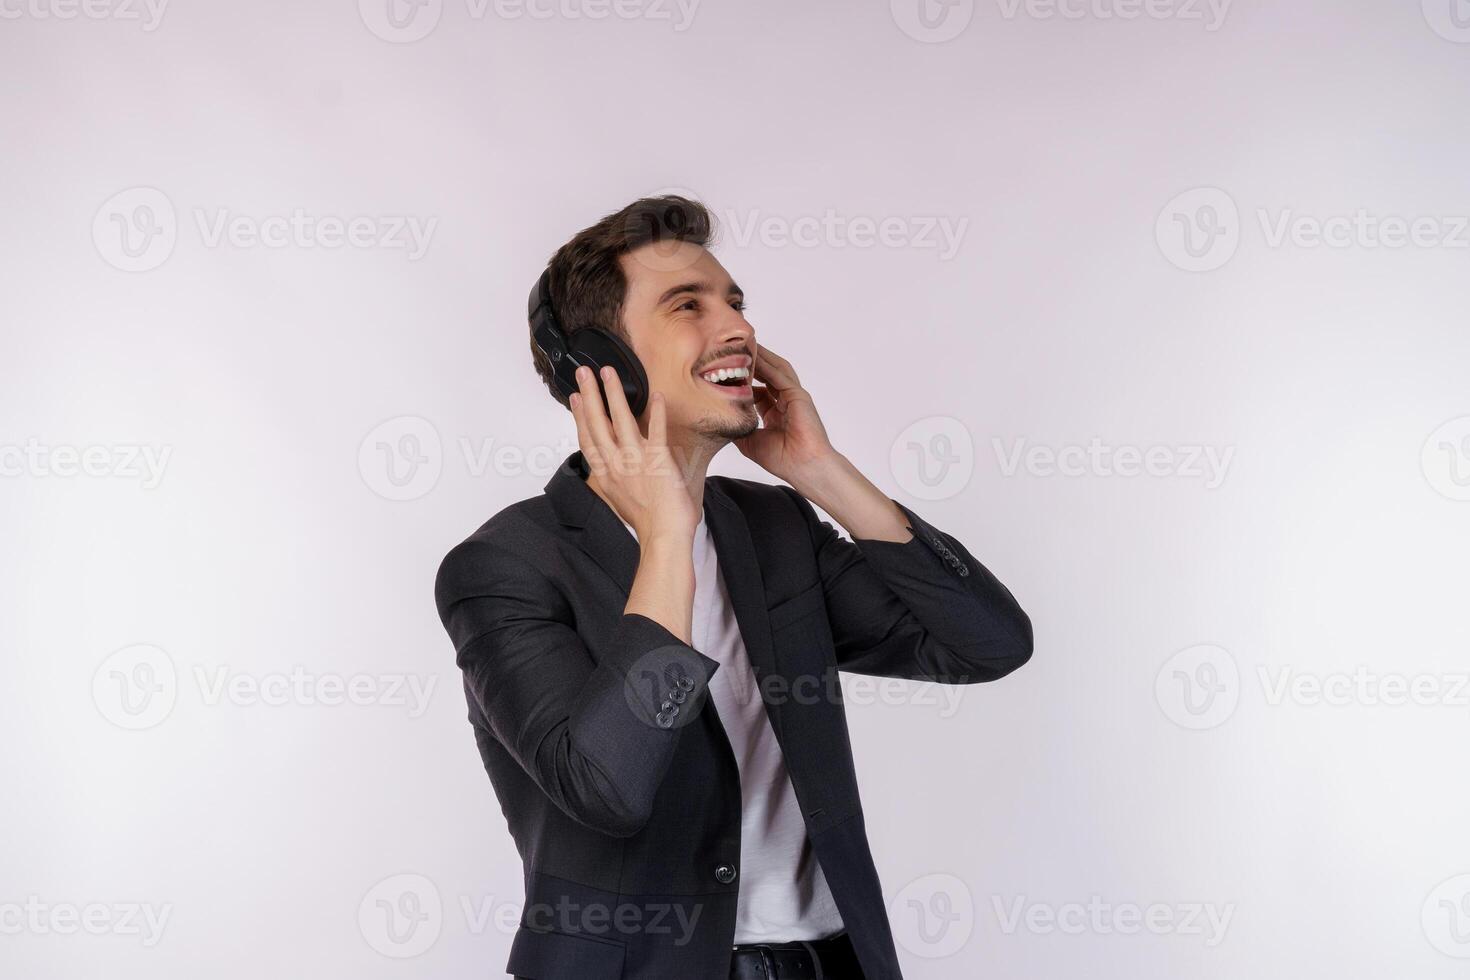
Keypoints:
(793, 439)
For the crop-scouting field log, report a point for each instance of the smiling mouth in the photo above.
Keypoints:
(735, 381)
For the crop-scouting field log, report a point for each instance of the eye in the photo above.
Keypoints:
(740, 305)
(688, 304)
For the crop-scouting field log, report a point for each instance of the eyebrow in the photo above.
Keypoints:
(696, 287)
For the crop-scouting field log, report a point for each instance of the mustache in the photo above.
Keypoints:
(728, 352)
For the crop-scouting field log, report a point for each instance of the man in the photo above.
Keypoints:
(650, 654)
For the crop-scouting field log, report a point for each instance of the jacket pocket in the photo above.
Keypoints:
(563, 956)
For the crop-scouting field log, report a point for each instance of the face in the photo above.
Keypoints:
(685, 319)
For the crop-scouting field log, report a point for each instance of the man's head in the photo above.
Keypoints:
(646, 275)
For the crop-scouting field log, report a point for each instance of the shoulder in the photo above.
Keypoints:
(752, 494)
(774, 507)
(505, 544)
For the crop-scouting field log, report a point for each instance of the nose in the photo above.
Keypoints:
(735, 331)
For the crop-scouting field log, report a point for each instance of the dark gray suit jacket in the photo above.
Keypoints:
(610, 764)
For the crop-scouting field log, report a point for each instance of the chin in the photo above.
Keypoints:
(730, 424)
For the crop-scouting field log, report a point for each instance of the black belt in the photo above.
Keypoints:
(817, 959)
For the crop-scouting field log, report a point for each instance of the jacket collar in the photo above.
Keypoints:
(600, 532)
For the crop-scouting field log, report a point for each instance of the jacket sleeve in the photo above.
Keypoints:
(923, 609)
(597, 737)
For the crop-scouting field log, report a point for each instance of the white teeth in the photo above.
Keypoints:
(725, 374)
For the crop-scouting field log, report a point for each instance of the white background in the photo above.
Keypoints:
(1075, 149)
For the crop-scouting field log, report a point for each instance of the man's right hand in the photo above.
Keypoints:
(637, 475)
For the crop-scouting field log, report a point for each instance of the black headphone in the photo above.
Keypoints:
(591, 346)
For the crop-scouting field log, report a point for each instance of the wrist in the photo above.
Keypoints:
(667, 539)
(824, 480)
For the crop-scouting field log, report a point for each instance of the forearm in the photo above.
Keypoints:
(839, 488)
(923, 608)
(663, 588)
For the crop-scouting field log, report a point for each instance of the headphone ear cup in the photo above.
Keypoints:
(563, 367)
(598, 348)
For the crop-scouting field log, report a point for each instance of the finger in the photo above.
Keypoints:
(584, 437)
(765, 353)
(624, 425)
(594, 415)
(766, 405)
(658, 434)
(775, 371)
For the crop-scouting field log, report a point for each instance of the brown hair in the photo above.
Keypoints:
(587, 282)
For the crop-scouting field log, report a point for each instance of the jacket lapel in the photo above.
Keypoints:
(595, 528)
(599, 532)
(742, 574)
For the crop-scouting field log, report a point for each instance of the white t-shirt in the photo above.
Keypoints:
(783, 895)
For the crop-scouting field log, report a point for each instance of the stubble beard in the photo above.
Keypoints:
(720, 429)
